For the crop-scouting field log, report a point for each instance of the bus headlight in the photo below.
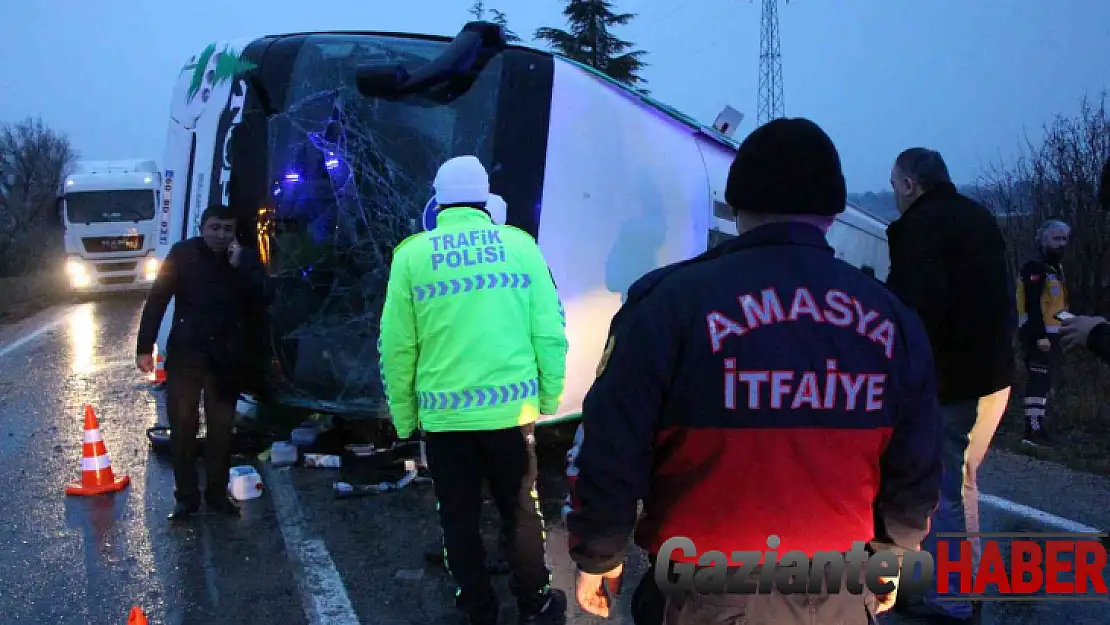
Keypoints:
(150, 269)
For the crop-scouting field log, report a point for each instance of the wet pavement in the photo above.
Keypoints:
(299, 555)
(88, 560)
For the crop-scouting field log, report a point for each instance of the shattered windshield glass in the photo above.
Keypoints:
(351, 176)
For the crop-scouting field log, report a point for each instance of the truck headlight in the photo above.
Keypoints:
(74, 267)
(150, 269)
(78, 273)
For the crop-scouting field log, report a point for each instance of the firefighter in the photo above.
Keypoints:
(473, 347)
(724, 403)
(1042, 293)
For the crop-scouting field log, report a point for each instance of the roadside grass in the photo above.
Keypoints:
(1078, 415)
(23, 296)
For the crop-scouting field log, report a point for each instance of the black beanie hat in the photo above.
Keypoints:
(787, 166)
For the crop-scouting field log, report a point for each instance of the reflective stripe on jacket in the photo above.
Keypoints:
(473, 335)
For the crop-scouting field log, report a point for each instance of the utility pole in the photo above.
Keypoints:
(771, 104)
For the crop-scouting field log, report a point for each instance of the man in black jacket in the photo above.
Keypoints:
(948, 262)
(215, 287)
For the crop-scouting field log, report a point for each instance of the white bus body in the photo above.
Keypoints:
(327, 179)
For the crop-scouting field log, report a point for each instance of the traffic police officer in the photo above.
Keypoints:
(762, 389)
(473, 349)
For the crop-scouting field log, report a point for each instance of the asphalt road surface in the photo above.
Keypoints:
(298, 555)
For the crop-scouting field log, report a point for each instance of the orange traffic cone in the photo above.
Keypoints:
(136, 617)
(96, 466)
(158, 376)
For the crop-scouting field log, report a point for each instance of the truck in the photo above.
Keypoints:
(108, 210)
(326, 145)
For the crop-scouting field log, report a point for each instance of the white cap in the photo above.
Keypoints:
(462, 180)
(497, 208)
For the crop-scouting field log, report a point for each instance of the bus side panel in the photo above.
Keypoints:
(625, 192)
(195, 147)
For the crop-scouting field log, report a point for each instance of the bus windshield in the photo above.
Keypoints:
(349, 179)
(109, 206)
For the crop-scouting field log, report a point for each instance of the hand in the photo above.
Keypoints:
(234, 253)
(1075, 331)
(888, 600)
(145, 362)
(1044, 345)
(596, 593)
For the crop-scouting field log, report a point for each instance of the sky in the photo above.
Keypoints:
(970, 78)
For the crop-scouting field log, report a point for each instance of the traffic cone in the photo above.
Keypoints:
(136, 617)
(158, 376)
(96, 466)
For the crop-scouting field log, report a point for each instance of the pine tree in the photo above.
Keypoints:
(589, 40)
(500, 20)
(478, 10)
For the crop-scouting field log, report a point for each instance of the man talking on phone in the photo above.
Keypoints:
(214, 282)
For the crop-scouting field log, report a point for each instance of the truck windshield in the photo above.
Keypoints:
(109, 206)
(350, 177)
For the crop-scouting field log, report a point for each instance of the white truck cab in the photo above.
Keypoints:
(108, 209)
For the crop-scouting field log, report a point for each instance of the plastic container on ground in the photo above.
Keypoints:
(283, 453)
(245, 483)
(304, 436)
(322, 461)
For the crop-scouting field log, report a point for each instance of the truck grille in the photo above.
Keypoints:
(117, 280)
(115, 267)
(101, 245)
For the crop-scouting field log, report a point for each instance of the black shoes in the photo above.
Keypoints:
(182, 511)
(224, 506)
(1036, 438)
(554, 611)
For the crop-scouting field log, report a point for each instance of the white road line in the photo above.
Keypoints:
(1057, 522)
(322, 592)
(27, 338)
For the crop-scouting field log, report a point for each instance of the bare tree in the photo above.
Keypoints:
(34, 160)
(1057, 178)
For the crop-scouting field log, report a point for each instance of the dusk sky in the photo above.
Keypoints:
(967, 77)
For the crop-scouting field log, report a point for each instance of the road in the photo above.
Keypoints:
(298, 555)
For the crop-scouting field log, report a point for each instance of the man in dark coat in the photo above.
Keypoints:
(215, 286)
(735, 383)
(948, 263)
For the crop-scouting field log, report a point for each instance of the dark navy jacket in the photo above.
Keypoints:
(762, 388)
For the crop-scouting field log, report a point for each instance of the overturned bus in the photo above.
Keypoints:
(327, 144)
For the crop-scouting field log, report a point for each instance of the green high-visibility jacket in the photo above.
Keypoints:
(473, 335)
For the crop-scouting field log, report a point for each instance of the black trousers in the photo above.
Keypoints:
(506, 459)
(184, 386)
(1039, 367)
